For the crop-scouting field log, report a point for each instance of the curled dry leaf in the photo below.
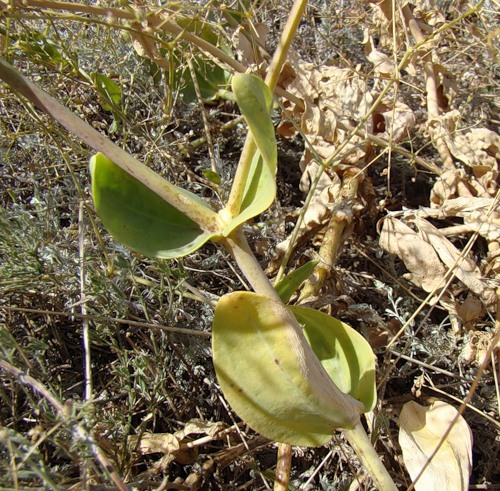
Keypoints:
(477, 148)
(393, 122)
(329, 95)
(470, 310)
(248, 43)
(382, 64)
(476, 347)
(426, 269)
(463, 268)
(173, 445)
(421, 429)
(145, 45)
(428, 255)
(427, 11)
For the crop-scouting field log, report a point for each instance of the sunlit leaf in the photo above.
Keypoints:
(270, 375)
(139, 218)
(291, 282)
(344, 353)
(420, 431)
(255, 101)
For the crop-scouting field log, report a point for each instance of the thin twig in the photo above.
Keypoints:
(103, 319)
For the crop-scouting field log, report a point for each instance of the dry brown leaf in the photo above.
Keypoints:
(478, 213)
(148, 443)
(476, 347)
(382, 64)
(246, 49)
(195, 426)
(477, 148)
(463, 268)
(420, 431)
(172, 445)
(398, 120)
(470, 311)
(427, 11)
(451, 184)
(145, 45)
(420, 258)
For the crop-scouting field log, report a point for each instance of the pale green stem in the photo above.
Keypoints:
(236, 196)
(287, 36)
(205, 217)
(367, 454)
(240, 178)
(237, 245)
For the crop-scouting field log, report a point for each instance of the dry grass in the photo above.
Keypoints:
(71, 297)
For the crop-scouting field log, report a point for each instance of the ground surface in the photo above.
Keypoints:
(62, 275)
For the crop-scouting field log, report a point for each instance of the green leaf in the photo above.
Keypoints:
(194, 208)
(291, 282)
(139, 218)
(270, 375)
(212, 176)
(344, 353)
(110, 93)
(43, 50)
(212, 80)
(255, 101)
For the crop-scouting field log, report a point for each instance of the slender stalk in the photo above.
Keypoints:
(204, 117)
(283, 467)
(367, 454)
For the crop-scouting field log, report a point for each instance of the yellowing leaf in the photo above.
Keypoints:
(255, 99)
(421, 430)
(344, 353)
(270, 375)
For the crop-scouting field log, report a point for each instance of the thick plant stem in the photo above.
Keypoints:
(335, 235)
(237, 245)
(283, 467)
(367, 454)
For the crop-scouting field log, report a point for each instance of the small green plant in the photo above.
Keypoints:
(292, 373)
